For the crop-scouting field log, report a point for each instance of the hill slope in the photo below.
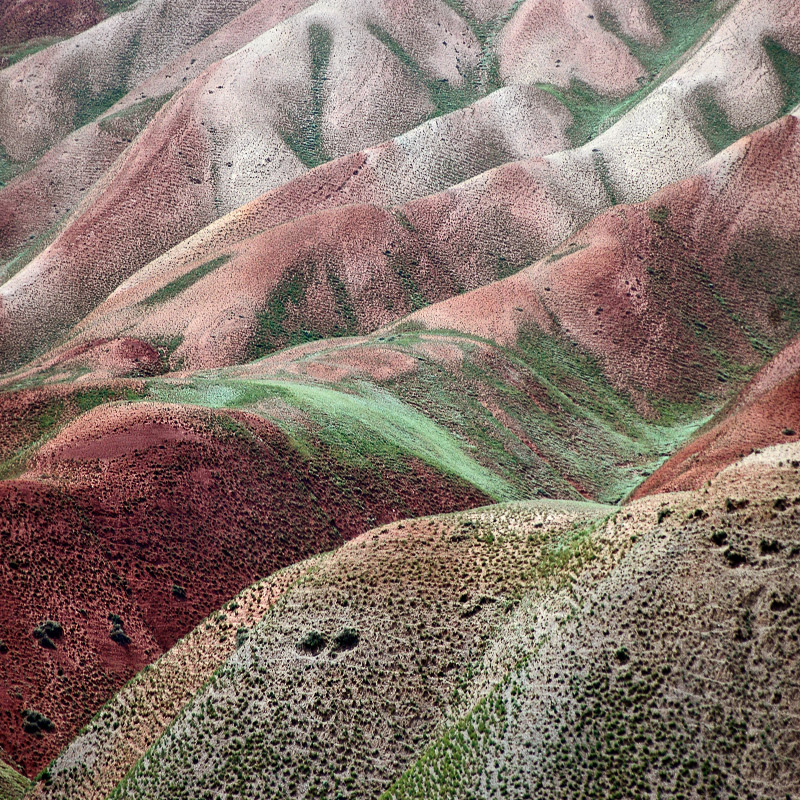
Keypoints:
(275, 273)
(536, 633)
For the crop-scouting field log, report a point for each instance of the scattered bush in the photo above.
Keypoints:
(719, 538)
(242, 635)
(47, 632)
(34, 721)
(734, 557)
(117, 633)
(313, 642)
(49, 628)
(346, 639)
(119, 636)
(735, 505)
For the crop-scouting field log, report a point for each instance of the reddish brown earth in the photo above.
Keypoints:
(21, 20)
(28, 415)
(129, 203)
(131, 499)
(767, 413)
(388, 262)
(670, 293)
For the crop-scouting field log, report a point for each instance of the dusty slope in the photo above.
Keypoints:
(675, 676)
(230, 171)
(671, 294)
(107, 747)
(540, 637)
(688, 294)
(765, 413)
(132, 500)
(459, 238)
(26, 25)
(33, 204)
(46, 96)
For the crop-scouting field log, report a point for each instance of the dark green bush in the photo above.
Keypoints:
(34, 721)
(48, 629)
(346, 639)
(313, 642)
(117, 633)
(119, 636)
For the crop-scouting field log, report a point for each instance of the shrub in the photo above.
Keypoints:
(119, 636)
(735, 505)
(770, 546)
(178, 592)
(346, 639)
(313, 642)
(719, 537)
(117, 633)
(34, 721)
(48, 629)
(242, 635)
(734, 557)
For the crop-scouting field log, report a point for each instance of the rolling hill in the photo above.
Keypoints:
(399, 399)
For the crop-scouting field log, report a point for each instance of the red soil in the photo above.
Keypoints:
(767, 413)
(21, 20)
(458, 240)
(132, 499)
(159, 203)
(667, 292)
(29, 414)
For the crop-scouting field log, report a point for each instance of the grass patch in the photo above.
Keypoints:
(12, 53)
(444, 96)
(12, 785)
(129, 121)
(28, 253)
(787, 65)
(181, 284)
(366, 427)
(52, 419)
(272, 330)
(715, 127)
(90, 105)
(682, 25)
(117, 6)
(304, 137)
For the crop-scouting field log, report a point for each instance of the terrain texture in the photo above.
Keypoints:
(399, 399)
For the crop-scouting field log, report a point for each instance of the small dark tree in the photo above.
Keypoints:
(312, 642)
(346, 639)
(34, 721)
(117, 633)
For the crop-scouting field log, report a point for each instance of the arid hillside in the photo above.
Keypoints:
(543, 644)
(288, 288)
